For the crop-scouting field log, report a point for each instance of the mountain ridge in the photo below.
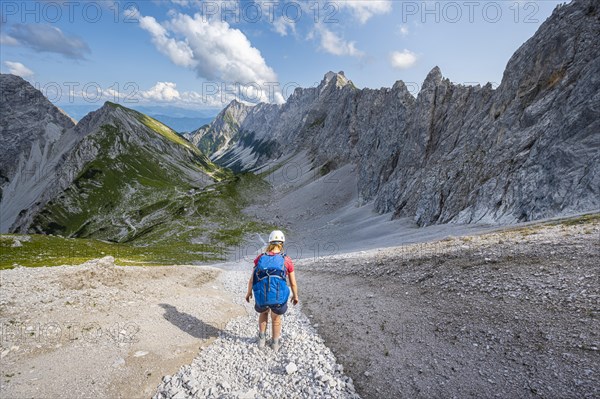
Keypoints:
(454, 154)
(103, 142)
(125, 162)
(123, 177)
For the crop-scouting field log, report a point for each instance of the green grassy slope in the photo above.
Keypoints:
(157, 127)
(108, 189)
(156, 201)
(195, 228)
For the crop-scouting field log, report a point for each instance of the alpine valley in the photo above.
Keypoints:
(464, 155)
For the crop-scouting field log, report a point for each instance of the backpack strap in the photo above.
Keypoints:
(283, 255)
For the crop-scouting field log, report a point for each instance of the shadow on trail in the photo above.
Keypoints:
(188, 323)
(199, 329)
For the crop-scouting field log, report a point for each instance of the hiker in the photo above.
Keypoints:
(271, 293)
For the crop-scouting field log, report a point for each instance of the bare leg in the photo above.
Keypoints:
(276, 320)
(263, 318)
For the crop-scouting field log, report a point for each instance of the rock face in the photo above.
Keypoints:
(527, 150)
(211, 138)
(34, 138)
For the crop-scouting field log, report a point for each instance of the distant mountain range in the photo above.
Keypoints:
(182, 124)
(179, 119)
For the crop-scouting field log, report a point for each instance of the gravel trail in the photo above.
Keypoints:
(507, 314)
(234, 367)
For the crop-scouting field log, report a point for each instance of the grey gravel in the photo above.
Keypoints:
(234, 367)
(510, 314)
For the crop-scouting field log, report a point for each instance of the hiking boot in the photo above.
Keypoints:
(276, 345)
(262, 339)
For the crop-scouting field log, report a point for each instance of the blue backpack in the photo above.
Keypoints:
(269, 281)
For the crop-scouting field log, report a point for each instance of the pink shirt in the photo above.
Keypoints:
(287, 262)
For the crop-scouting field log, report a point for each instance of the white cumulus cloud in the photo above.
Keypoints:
(214, 50)
(183, 3)
(162, 91)
(403, 59)
(334, 44)
(16, 68)
(178, 51)
(363, 10)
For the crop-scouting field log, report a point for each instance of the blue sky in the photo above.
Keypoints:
(201, 54)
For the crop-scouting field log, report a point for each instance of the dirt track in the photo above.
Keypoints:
(100, 331)
(510, 314)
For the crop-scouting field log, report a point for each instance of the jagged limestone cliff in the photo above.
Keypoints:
(527, 150)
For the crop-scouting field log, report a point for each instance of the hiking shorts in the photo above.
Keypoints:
(277, 309)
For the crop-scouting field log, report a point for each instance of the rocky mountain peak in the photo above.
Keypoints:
(34, 134)
(16, 91)
(399, 85)
(434, 77)
(14, 83)
(564, 43)
(236, 110)
(27, 117)
(332, 78)
(103, 115)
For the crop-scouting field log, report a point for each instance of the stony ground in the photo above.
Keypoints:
(507, 314)
(234, 367)
(100, 331)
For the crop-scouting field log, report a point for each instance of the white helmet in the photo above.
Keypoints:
(276, 236)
